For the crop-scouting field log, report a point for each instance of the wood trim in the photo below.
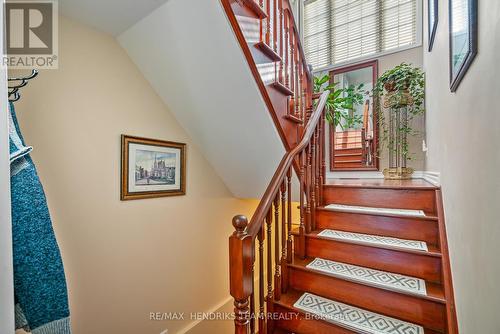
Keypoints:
(253, 68)
(125, 195)
(255, 8)
(333, 72)
(451, 313)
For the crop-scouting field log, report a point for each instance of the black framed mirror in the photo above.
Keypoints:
(432, 20)
(463, 38)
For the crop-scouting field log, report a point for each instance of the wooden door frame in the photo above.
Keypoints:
(374, 65)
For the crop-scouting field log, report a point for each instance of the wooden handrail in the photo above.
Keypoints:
(310, 158)
(267, 199)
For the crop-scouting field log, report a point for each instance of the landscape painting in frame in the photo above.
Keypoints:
(463, 38)
(152, 168)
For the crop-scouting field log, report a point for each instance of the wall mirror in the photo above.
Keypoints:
(463, 38)
(353, 137)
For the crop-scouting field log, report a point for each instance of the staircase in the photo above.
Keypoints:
(348, 150)
(355, 256)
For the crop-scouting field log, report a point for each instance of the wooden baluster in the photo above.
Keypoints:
(269, 299)
(313, 180)
(292, 47)
(280, 9)
(289, 216)
(318, 164)
(284, 270)
(296, 77)
(322, 157)
(302, 181)
(252, 303)
(308, 188)
(292, 81)
(240, 274)
(299, 87)
(275, 26)
(269, 222)
(277, 272)
(261, 25)
(287, 50)
(262, 301)
(268, 22)
(304, 94)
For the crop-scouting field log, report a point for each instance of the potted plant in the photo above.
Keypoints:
(402, 93)
(341, 102)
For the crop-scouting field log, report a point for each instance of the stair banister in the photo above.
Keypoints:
(289, 96)
(309, 154)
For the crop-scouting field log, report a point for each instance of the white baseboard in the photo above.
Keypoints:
(432, 177)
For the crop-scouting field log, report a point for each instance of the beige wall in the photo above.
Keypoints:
(123, 259)
(463, 137)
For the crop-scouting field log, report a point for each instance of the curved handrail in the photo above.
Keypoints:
(255, 224)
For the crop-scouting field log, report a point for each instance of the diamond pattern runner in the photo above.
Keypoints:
(366, 209)
(359, 320)
(377, 277)
(375, 239)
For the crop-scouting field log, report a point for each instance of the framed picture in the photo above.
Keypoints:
(432, 21)
(463, 38)
(152, 168)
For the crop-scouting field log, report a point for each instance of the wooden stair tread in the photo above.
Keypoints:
(255, 8)
(289, 299)
(282, 88)
(433, 251)
(435, 291)
(268, 51)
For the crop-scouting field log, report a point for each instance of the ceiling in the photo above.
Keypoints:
(111, 16)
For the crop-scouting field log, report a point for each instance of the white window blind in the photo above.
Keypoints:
(338, 31)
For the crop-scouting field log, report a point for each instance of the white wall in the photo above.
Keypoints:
(195, 64)
(463, 137)
(6, 274)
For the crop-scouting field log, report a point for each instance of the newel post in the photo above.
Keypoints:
(240, 273)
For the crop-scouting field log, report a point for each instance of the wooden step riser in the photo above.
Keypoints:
(416, 199)
(349, 157)
(397, 227)
(296, 322)
(339, 150)
(405, 263)
(408, 308)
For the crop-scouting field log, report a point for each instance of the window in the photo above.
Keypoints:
(339, 31)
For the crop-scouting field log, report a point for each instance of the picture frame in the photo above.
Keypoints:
(152, 168)
(463, 34)
(432, 21)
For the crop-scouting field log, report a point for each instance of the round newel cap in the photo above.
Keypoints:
(240, 223)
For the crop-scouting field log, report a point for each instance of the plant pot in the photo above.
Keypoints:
(390, 86)
(398, 173)
(398, 100)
